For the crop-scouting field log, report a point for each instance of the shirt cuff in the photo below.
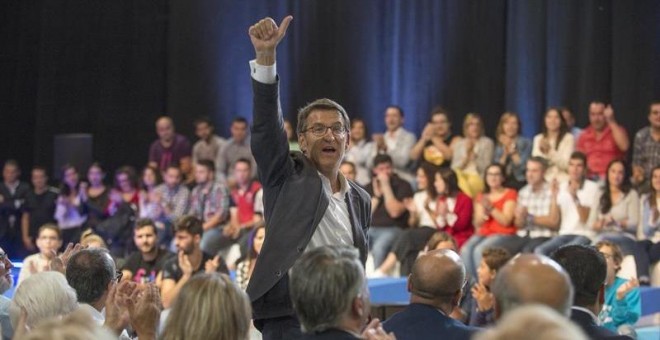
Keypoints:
(263, 74)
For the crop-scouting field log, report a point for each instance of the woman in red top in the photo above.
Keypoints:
(453, 210)
(493, 217)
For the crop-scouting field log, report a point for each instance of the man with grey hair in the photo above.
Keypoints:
(436, 286)
(528, 279)
(330, 296)
(308, 203)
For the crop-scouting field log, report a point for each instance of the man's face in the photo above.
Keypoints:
(10, 173)
(238, 131)
(6, 279)
(186, 242)
(348, 171)
(326, 151)
(576, 169)
(534, 173)
(165, 129)
(393, 119)
(242, 172)
(145, 239)
(654, 116)
(383, 168)
(202, 174)
(172, 177)
(39, 179)
(203, 131)
(597, 116)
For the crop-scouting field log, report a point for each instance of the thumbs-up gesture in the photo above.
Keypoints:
(266, 35)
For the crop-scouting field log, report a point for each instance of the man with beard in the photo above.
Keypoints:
(145, 265)
(209, 144)
(6, 282)
(191, 260)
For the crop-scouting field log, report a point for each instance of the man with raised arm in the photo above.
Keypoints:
(307, 202)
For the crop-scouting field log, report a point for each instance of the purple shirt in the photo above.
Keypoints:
(163, 157)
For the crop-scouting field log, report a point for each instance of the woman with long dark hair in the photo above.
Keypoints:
(70, 213)
(97, 195)
(246, 266)
(555, 144)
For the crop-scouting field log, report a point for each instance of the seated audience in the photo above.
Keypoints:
(243, 218)
(209, 202)
(555, 144)
(209, 144)
(532, 279)
(570, 123)
(622, 304)
(511, 149)
(603, 140)
(170, 148)
(237, 147)
(436, 286)
(70, 213)
(533, 322)
(246, 266)
(389, 215)
(616, 217)
(436, 142)
(39, 208)
(149, 200)
(575, 200)
(330, 295)
(42, 296)
(440, 240)
(493, 219)
(472, 155)
(125, 190)
(482, 311)
(650, 219)
(49, 242)
(361, 151)
(174, 200)
(646, 150)
(91, 240)
(537, 214)
(396, 142)
(588, 271)
(97, 196)
(13, 193)
(145, 264)
(349, 170)
(453, 210)
(209, 306)
(191, 260)
(422, 226)
(6, 283)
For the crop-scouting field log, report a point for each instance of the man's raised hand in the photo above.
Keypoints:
(265, 36)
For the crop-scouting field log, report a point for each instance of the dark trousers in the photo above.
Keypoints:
(285, 327)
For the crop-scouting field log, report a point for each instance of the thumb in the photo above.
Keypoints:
(281, 31)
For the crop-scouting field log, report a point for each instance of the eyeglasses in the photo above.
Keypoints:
(118, 275)
(319, 130)
(607, 256)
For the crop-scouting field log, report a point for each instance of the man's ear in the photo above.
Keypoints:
(302, 143)
(409, 284)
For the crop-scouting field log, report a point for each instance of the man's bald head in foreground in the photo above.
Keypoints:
(528, 279)
(437, 279)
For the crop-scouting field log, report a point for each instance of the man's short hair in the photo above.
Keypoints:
(12, 162)
(321, 104)
(495, 257)
(533, 322)
(240, 120)
(323, 284)
(349, 163)
(398, 108)
(539, 160)
(208, 164)
(203, 120)
(145, 223)
(50, 226)
(244, 160)
(40, 168)
(190, 224)
(382, 158)
(89, 272)
(43, 296)
(579, 156)
(587, 269)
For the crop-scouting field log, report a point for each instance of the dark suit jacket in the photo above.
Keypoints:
(294, 203)
(591, 328)
(419, 321)
(330, 334)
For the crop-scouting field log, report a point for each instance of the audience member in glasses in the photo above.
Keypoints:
(49, 241)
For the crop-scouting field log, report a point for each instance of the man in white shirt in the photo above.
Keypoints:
(396, 142)
(575, 199)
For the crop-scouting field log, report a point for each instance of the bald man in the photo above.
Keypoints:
(170, 148)
(532, 279)
(436, 286)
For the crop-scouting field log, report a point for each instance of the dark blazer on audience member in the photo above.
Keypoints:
(330, 334)
(592, 329)
(294, 203)
(419, 321)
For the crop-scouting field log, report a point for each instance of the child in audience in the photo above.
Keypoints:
(481, 308)
(49, 240)
(622, 300)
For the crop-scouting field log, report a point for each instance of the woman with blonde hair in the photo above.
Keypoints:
(472, 155)
(512, 150)
(209, 306)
